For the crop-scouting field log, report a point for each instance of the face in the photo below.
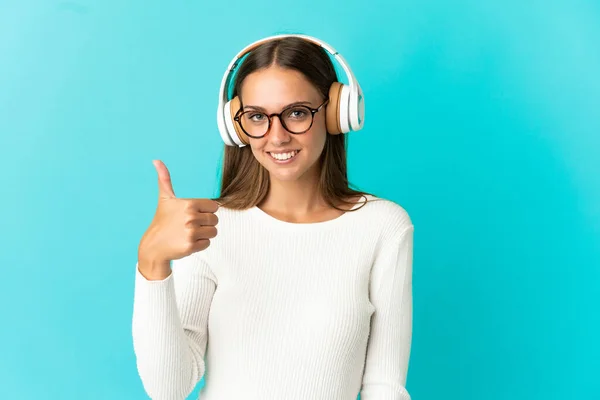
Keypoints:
(270, 91)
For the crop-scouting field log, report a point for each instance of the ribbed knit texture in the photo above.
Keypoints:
(283, 311)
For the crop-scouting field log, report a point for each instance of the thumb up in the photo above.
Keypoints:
(180, 227)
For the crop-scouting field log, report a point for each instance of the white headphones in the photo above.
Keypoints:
(345, 111)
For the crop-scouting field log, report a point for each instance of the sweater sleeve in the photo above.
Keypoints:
(388, 349)
(169, 327)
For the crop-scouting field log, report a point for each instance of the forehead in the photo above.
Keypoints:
(275, 87)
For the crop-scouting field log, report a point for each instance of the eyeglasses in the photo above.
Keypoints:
(295, 119)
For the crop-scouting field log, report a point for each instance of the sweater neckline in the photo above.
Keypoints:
(268, 218)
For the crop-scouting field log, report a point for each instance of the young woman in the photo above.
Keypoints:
(306, 291)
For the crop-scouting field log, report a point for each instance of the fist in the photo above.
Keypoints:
(180, 227)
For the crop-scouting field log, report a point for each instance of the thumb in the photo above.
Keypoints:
(165, 186)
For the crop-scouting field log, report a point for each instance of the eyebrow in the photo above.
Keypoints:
(297, 103)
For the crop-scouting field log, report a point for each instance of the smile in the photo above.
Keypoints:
(284, 157)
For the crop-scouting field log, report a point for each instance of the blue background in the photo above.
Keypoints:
(482, 120)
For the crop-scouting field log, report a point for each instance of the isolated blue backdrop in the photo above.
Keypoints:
(482, 121)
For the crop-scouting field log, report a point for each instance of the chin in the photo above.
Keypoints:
(284, 176)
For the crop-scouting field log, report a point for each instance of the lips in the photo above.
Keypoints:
(283, 156)
(282, 151)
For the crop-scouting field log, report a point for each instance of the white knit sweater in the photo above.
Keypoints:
(274, 310)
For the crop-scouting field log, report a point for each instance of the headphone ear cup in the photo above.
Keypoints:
(344, 113)
(233, 127)
(356, 109)
(332, 110)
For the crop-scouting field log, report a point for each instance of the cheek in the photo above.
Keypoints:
(318, 138)
(257, 145)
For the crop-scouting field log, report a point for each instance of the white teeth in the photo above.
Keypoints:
(283, 156)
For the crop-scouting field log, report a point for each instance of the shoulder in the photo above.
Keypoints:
(226, 213)
(390, 216)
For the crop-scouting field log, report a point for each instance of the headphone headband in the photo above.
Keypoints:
(233, 64)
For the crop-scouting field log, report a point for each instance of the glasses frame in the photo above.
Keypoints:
(313, 111)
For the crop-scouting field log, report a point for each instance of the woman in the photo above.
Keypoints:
(306, 291)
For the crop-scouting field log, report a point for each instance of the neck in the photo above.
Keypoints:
(294, 198)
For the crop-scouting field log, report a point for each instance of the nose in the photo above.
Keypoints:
(278, 134)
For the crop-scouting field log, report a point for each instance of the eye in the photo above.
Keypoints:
(297, 113)
(256, 117)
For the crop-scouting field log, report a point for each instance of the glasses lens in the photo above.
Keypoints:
(254, 123)
(297, 119)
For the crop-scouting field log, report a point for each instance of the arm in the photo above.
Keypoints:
(169, 327)
(388, 350)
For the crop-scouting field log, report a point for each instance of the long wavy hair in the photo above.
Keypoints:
(244, 181)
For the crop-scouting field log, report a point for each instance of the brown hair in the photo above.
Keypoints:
(244, 181)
